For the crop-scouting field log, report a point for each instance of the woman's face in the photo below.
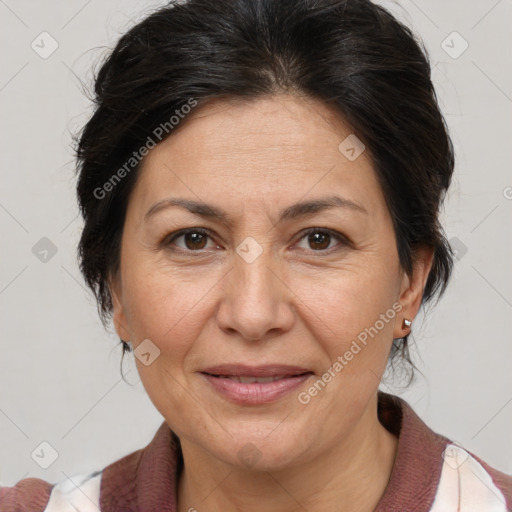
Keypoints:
(254, 289)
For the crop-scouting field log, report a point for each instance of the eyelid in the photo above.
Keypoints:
(206, 232)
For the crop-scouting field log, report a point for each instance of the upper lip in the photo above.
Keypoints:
(243, 370)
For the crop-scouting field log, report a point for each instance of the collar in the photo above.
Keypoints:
(419, 458)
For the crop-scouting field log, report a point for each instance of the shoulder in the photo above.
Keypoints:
(28, 494)
(83, 491)
(86, 492)
(494, 487)
(433, 473)
(78, 492)
(469, 484)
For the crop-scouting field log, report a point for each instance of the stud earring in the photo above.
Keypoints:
(406, 324)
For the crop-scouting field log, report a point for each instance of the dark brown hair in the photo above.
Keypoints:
(351, 54)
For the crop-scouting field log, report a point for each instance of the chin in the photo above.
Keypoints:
(261, 453)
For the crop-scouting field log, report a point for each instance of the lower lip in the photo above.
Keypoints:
(255, 392)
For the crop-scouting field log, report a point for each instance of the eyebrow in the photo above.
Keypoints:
(297, 210)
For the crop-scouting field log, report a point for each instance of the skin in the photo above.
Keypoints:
(301, 302)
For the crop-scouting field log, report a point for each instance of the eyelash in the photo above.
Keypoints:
(342, 239)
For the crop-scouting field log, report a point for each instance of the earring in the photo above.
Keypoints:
(406, 324)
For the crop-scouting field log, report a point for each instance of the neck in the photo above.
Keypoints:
(352, 475)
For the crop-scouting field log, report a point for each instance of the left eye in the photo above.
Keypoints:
(320, 239)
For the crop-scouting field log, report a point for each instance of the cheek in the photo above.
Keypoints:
(167, 307)
(352, 320)
(169, 311)
(349, 302)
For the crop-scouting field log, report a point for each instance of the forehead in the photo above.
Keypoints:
(264, 150)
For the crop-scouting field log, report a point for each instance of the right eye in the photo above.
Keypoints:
(194, 239)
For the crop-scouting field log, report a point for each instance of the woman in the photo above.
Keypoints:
(261, 183)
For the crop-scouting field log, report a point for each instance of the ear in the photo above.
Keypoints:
(118, 313)
(413, 284)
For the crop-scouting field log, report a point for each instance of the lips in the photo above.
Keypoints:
(252, 385)
(251, 379)
(241, 370)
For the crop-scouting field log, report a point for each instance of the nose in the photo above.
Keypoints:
(257, 303)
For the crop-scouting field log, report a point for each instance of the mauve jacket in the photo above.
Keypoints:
(430, 474)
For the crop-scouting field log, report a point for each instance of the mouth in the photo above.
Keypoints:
(247, 385)
(251, 379)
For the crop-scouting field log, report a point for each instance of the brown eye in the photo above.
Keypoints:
(321, 240)
(193, 239)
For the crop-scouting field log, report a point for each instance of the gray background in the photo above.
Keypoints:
(60, 376)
